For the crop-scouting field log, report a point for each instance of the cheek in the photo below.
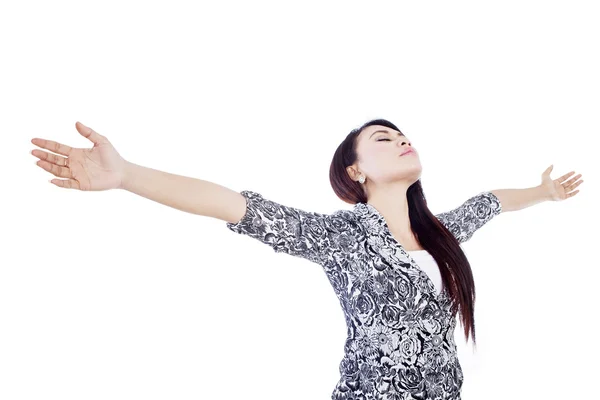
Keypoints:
(377, 151)
(383, 156)
(374, 158)
(376, 162)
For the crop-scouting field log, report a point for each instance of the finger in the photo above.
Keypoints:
(56, 147)
(565, 176)
(52, 158)
(89, 133)
(573, 186)
(55, 169)
(573, 179)
(66, 183)
(572, 194)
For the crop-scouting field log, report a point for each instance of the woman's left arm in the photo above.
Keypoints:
(550, 189)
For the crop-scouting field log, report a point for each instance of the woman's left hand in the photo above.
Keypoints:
(560, 188)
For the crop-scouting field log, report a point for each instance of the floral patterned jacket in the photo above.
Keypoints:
(400, 342)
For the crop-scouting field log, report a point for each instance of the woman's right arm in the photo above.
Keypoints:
(286, 229)
(192, 195)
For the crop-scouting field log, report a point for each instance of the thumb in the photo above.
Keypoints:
(89, 133)
(548, 170)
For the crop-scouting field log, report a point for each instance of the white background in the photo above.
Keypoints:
(107, 295)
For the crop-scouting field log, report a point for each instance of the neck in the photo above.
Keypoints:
(392, 204)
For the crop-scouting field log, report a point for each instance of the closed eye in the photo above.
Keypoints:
(381, 140)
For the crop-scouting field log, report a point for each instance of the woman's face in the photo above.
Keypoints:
(379, 156)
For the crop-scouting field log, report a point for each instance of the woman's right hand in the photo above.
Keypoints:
(98, 168)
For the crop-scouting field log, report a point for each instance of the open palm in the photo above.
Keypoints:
(560, 188)
(98, 168)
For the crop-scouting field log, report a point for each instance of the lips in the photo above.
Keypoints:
(409, 151)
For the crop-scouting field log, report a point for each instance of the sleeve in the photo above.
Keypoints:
(464, 220)
(286, 229)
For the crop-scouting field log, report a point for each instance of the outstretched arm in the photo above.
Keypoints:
(193, 195)
(517, 199)
(102, 168)
(550, 189)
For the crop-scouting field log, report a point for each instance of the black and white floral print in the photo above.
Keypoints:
(400, 342)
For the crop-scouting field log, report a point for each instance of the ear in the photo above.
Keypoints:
(352, 172)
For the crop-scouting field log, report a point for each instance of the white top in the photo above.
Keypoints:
(427, 263)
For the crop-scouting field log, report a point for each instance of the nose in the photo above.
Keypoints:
(404, 148)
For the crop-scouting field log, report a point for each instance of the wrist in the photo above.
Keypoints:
(543, 193)
(126, 174)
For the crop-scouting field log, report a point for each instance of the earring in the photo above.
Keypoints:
(361, 179)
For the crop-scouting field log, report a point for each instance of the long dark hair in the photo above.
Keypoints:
(429, 231)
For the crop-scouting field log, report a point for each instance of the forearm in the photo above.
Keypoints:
(192, 195)
(517, 199)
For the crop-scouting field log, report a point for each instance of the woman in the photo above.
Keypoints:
(398, 270)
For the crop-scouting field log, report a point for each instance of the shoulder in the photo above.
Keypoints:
(344, 220)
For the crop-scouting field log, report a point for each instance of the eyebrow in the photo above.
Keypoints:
(383, 130)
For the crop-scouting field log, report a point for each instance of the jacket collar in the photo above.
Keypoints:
(381, 240)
